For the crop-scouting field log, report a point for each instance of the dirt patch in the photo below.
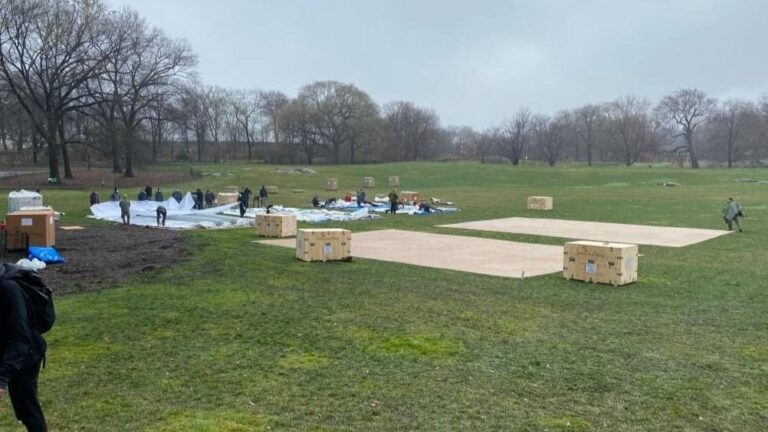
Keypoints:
(99, 257)
(93, 178)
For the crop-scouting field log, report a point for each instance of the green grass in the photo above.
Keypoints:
(244, 337)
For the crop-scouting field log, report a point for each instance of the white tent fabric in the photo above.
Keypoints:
(24, 198)
(309, 215)
(181, 215)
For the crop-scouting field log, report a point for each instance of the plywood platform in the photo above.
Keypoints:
(462, 253)
(601, 231)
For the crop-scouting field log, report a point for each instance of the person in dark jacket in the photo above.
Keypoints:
(22, 350)
(209, 198)
(315, 202)
(148, 190)
(162, 213)
(393, 199)
(176, 195)
(263, 196)
(94, 198)
(247, 196)
(115, 196)
(142, 195)
(242, 200)
(199, 199)
(159, 196)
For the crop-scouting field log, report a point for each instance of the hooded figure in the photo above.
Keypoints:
(731, 213)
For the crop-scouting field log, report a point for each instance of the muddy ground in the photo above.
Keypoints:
(102, 256)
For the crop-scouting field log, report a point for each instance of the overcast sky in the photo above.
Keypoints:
(476, 62)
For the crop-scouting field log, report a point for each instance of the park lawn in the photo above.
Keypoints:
(244, 337)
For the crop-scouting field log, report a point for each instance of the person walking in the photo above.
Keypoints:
(242, 200)
(161, 214)
(125, 210)
(22, 350)
(246, 196)
(732, 211)
(393, 199)
(263, 196)
(159, 196)
(94, 198)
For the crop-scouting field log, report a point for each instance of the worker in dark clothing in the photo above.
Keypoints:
(176, 195)
(159, 196)
(142, 195)
(315, 202)
(199, 199)
(242, 200)
(263, 196)
(148, 190)
(115, 196)
(94, 198)
(22, 350)
(161, 214)
(393, 199)
(209, 198)
(246, 196)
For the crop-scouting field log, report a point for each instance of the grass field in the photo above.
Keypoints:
(244, 337)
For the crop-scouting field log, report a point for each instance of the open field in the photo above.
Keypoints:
(241, 336)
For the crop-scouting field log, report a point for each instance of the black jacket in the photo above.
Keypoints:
(20, 346)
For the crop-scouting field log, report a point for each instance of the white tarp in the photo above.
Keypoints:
(181, 215)
(309, 215)
(24, 198)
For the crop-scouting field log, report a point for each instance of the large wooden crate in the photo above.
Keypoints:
(369, 182)
(540, 203)
(276, 225)
(409, 197)
(272, 189)
(331, 184)
(37, 224)
(226, 198)
(231, 189)
(599, 262)
(324, 245)
(394, 181)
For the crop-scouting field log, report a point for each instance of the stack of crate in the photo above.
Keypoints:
(540, 203)
(331, 184)
(409, 197)
(394, 181)
(599, 262)
(369, 182)
(276, 225)
(271, 189)
(324, 245)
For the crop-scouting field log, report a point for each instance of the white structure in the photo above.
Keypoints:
(24, 198)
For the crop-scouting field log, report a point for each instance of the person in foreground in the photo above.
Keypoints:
(731, 213)
(22, 350)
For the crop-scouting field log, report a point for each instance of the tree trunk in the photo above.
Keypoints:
(129, 157)
(65, 152)
(692, 150)
(53, 147)
(114, 139)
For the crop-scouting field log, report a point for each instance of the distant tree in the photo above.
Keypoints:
(270, 103)
(515, 134)
(411, 129)
(729, 124)
(550, 134)
(687, 109)
(587, 121)
(246, 115)
(630, 127)
(299, 128)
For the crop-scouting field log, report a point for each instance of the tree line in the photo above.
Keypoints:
(82, 82)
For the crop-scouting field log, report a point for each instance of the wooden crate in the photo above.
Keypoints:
(599, 262)
(272, 189)
(276, 225)
(331, 184)
(38, 224)
(231, 189)
(369, 182)
(409, 197)
(394, 181)
(226, 198)
(540, 203)
(324, 245)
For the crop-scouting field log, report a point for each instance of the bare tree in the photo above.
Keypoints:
(299, 129)
(247, 108)
(728, 124)
(587, 120)
(687, 109)
(412, 129)
(630, 127)
(550, 134)
(270, 104)
(48, 50)
(515, 134)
